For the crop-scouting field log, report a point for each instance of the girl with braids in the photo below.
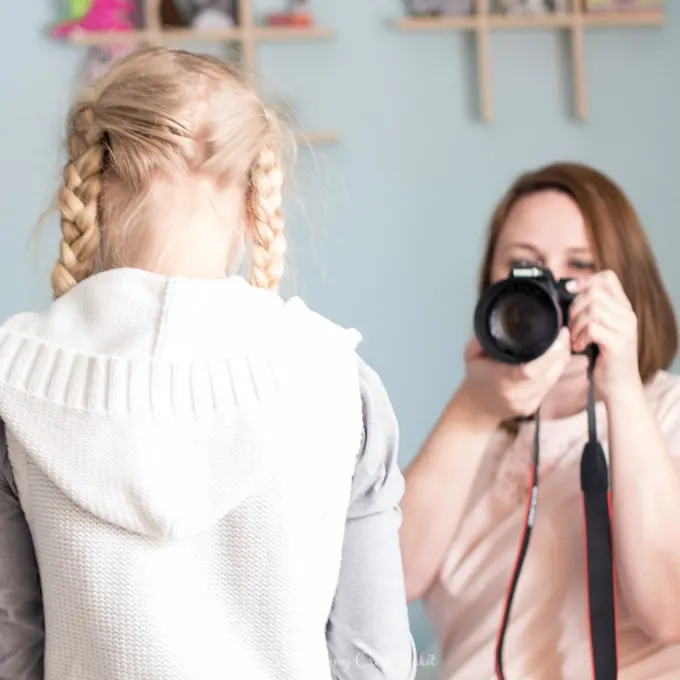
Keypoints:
(198, 479)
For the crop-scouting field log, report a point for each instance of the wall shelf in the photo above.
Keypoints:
(179, 35)
(145, 36)
(246, 36)
(483, 22)
(282, 34)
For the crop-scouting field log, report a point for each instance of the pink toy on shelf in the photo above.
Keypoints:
(102, 15)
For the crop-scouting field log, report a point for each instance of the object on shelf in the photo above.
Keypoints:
(77, 8)
(623, 5)
(289, 19)
(170, 15)
(212, 14)
(424, 8)
(100, 15)
(457, 7)
(300, 15)
(531, 7)
(440, 7)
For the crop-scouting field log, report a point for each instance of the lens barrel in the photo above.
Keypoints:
(516, 320)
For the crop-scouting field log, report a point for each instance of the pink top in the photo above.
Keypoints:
(547, 638)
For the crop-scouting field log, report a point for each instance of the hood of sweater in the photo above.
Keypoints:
(158, 404)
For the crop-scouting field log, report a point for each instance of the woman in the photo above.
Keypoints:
(465, 502)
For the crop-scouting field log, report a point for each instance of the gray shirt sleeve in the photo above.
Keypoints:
(368, 631)
(21, 614)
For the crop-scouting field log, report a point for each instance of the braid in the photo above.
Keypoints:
(269, 243)
(79, 203)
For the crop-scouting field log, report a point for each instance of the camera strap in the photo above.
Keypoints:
(600, 572)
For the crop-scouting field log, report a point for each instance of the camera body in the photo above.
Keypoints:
(517, 319)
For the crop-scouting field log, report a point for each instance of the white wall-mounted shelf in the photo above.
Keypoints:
(576, 21)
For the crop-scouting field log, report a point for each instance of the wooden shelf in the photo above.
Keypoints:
(500, 23)
(474, 22)
(283, 33)
(185, 35)
(462, 23)
(503, 21)
(246, 36)
(482, 23)
(110, 38)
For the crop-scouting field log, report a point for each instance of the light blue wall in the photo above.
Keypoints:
(388, 224)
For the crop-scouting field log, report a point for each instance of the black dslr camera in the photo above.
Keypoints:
(516, 320)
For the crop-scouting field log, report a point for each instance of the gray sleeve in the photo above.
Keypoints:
(368, 630)
(21, 614)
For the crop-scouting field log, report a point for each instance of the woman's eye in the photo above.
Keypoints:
(582, 266)
(519, 264)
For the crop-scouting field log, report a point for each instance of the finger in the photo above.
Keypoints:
(579, 304)
(609, 281)
(604, 310)
(595, 333)
(592, 295)
(612, 283)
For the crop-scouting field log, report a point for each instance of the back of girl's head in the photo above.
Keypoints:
(619, 244)
(165, 114)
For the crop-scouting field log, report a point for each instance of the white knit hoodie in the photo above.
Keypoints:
(183, 451)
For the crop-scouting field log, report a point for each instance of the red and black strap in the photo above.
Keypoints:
(600, 571)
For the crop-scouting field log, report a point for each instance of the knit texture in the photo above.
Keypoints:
(183, 451)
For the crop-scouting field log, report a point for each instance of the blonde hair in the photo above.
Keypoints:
(165, 113)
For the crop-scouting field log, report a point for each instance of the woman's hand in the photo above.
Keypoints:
(602, 315)
(502, 391)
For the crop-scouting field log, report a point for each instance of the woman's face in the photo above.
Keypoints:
(544, 229)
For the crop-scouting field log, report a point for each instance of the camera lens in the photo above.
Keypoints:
(520, 322)
(516, 320)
